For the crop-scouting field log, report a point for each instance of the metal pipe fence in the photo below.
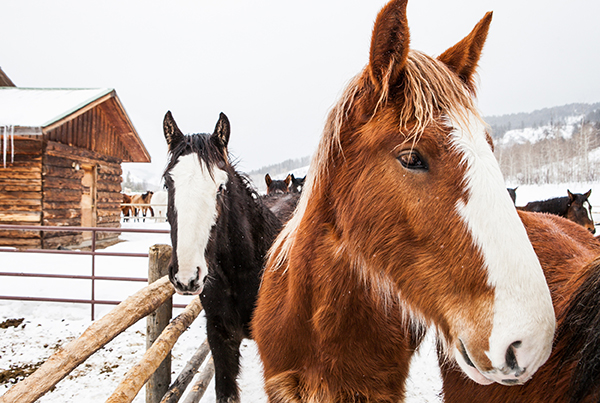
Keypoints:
(92, 252)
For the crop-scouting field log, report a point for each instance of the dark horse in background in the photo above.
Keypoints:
(575, 207)
(220, 233)
(296, 184)
(277, 186)
(282, 196)
(570, 257)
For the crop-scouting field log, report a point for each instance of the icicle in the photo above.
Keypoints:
(12, 144)
(4, 145)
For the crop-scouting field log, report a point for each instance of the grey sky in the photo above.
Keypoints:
(275, 67)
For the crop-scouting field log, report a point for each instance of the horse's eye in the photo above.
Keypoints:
(411, 159)
(222, 188)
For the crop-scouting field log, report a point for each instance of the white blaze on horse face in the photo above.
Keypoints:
(524, 319)
(196, 206)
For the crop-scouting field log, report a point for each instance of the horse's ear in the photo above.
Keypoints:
(268, 179)
(222, 130)
(288, 179)
(463, 57)
(172, 133)
(588, 193)
(389, 45)
(571, 196)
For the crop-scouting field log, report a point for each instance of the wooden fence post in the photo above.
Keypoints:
(159, 257)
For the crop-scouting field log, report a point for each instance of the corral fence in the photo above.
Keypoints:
(154, 369)
(92, 252)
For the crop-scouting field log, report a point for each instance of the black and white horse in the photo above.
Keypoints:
(220, 233)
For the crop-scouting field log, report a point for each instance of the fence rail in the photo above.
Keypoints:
(92, 252)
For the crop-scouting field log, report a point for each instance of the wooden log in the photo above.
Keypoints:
(61, 183)
(62, 172)
(21, 243)
(64, 241)
(60, 195)
(21, 188)
(186, 375)
(109, 187)
(62, 213)
(29, 205)
(159, 257)
(19, 234)
(22, 173)
(201, 384)
(102, 331)
(12, 196)
(62, 222)
(23, 161)
(140, 373)
(29, 217)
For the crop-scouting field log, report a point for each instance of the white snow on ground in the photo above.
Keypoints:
(47, 326)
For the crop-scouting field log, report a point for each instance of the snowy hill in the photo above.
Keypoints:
(560, 144)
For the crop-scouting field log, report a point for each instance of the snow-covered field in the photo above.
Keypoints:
(48, 326)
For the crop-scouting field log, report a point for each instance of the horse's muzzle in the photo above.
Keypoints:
(192, 287)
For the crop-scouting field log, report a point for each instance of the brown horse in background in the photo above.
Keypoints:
(575, 207)
(361, 268)
(128, 210)
(570, 257)
(141, 203)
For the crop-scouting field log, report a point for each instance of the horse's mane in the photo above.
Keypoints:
(199, 143)
(429, 90)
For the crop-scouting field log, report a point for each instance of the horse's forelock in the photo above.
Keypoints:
(429, 94)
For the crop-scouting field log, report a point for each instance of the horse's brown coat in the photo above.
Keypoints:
(566, 252)
(350, 277)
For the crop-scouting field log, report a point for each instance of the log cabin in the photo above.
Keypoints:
(60, 163)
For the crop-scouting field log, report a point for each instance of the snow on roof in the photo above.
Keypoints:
(40, 107)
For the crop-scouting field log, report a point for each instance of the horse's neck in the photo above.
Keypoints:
(345, 313)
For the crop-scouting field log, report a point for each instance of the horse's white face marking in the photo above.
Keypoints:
(195, 202)
(523, 310)
(588, 209)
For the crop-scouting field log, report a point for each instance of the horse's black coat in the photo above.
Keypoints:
(580, 331)
(557, 205)
(239, 241)
(575, 207)
(297, 184)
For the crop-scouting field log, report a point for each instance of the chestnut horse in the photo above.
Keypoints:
(569, 255)
(361, 267)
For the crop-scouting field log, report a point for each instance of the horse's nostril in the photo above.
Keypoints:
(511, 359)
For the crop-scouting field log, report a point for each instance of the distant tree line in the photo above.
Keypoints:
(282, 167)
(134, 186)
(553, 159)
(504, 123)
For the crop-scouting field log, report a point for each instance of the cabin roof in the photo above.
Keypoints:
(39, 110)
(41, 107)
(4, 80)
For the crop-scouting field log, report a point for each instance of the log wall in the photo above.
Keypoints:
(62, 192)
(21, 193)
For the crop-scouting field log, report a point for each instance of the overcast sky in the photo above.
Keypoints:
(275, 67)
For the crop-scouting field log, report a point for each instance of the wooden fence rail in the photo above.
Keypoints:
(101, 332)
